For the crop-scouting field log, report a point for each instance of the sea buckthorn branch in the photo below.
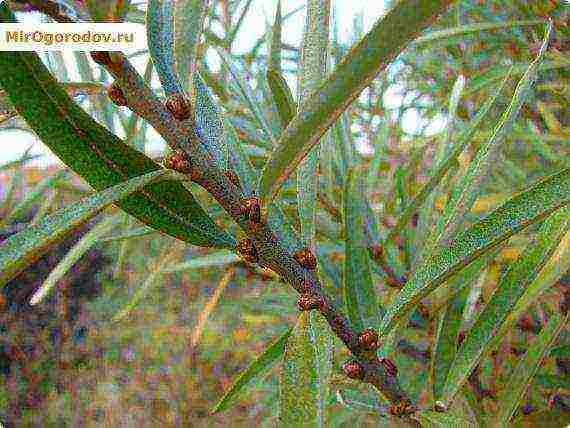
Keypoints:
(47, 7)
(261, 245)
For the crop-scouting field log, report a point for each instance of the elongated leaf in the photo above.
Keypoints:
(167, 256)
(219, 258)
(509, 290)
(449, 33)
(323, 342)
(189, 17)
(374, 52)
(18, 163)
(239, 160)
(246, 93)
(521, 211)
(463, 141)
(238, 25)
(553, 271)
(23, 248)
(259, 367)
(98, 156)
(209, 122)
(275, 46)
(131, 234)
(359, 295)
(299, 383)
(210, 306)
(312, 71)
(71, 258)
(31, 198)
(446, 341)
(514, 389)
(467, 191)
(282, 97)
(160, 35)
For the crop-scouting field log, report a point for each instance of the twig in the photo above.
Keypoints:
(47, 7)
(261, 244)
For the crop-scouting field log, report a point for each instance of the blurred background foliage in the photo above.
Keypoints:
(143, 330)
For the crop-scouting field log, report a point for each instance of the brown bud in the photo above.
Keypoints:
(308, 302)
(247, 251)
(368, 339)
(233, 177)
(116, 95)
(353, 370)
(305, 258)
(389, 366)
(178, 161)
(402, 408)
(252, 207)
(179, 107)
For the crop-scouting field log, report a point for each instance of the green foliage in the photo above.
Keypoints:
(425, 162)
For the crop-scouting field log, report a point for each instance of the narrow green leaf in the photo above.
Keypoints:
(282, 96)
(160, 35)
(259, 367)
(23, 248)
(72, 256)
(274, 64)
(323, 342)
(209, 122)
(189, 18)
(448, 326)
(130, 234)
(299, 384)
(462, 142)
(359, 295)
(246, 93)
(98, 156)
(230, 38)
(239, 160)
(32, 197)
(513, 392)
(168, 255)
(553, 271)
(312, 71)
(449, 33)
(283, 227)
(375, 51)
(18, 163)
(469, 188)
(218, 258)
(524, 209)
(509, 290)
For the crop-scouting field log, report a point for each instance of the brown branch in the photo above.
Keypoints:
(47, 7)
(261, 244)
